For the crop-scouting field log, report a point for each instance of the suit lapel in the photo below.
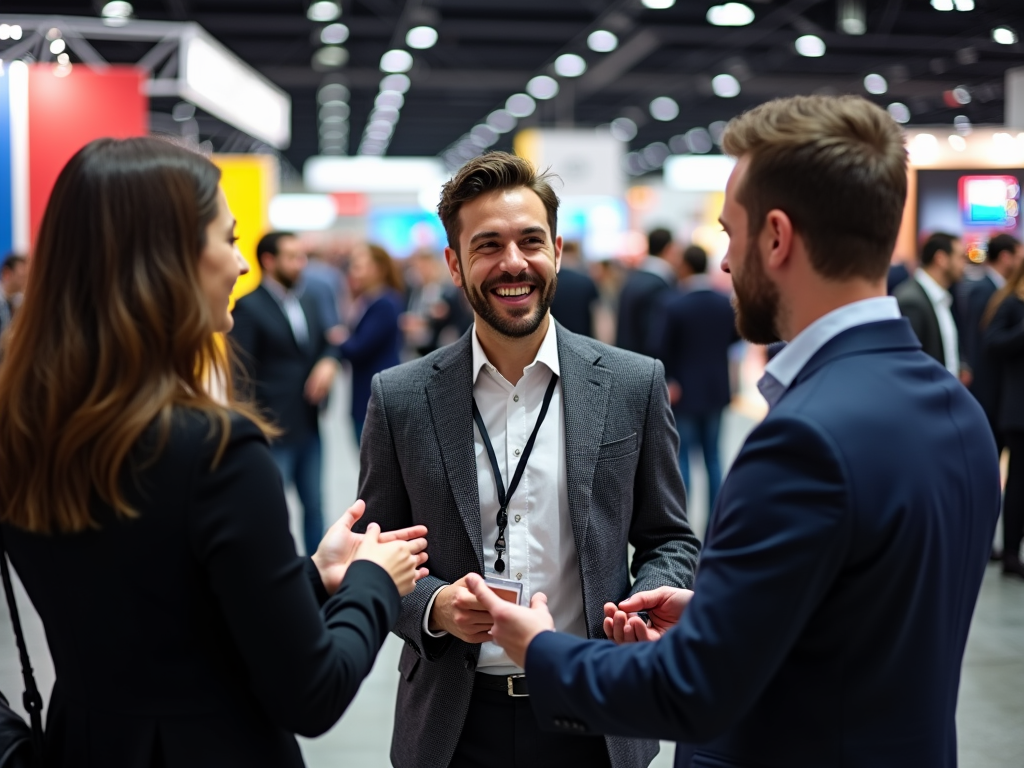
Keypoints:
(585, 390)
(450, 395)
(276, 311)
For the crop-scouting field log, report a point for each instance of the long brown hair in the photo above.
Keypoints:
(389, 271)
(113, 334)
(1014, 285)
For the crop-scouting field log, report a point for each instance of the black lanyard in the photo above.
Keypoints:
(505, 498)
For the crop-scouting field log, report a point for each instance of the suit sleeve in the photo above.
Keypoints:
(666, 547)
(778, 541)
(915, 313)
(377, 327)
(1005, 334)
(387, 503)
(245, 336)
(304, 667)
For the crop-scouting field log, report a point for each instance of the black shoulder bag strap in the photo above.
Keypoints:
(31, 699)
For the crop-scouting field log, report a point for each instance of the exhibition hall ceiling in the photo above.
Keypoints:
(656, 73)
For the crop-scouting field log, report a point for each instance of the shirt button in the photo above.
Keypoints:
(515, 398)
(519, 575)
(518, 518)
(516, 451)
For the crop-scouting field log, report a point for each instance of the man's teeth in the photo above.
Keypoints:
(519, 291)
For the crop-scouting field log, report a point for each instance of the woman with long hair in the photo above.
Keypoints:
(140, 504)
(1003, 325)
(376, 338)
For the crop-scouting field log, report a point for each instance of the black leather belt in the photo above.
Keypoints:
(513, 685)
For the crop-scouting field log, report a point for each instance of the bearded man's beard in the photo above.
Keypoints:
(515, 323)
(756, 301)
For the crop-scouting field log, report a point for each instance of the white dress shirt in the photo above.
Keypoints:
(541, 550)
(942, 303)
(783, 369)
(289, 302)
(995, 277)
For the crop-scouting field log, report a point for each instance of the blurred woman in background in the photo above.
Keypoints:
(376, 338)
(144, 514)
(1003, 326)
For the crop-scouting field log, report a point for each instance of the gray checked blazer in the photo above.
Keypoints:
(418, 466)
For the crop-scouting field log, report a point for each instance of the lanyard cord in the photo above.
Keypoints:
(504, 498)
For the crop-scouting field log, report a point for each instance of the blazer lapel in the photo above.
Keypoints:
(450, 394)
(585, 390)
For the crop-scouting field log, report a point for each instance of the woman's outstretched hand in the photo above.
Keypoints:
(401, 559)
(339, 546)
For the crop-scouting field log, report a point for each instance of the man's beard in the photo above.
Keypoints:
(284, 279)
(756, 301)
(523, 321)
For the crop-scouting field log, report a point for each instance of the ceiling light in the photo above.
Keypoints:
(664, 108)
(396, 60)
(332, 92)
(421, 38)
(334, 34)
(924, 149)
(484, 134)
(623, 129)
(335, 109)
(323, 10)
(852, 17)
(963, 125)
(875, 84)
(570, 65)
(810, 45)
(962, 95)
(899, 112)
(730, 15)
(656, 154)
(58, 46)
(388, 114)
(658, 5)
(389, 99)
(1004, 36)
(63, 59)
(602, 41)
(330, 57)
(10, 32)
(698, 141)
(117, 10)
(520, 105)
(964, 5)
(501, 120)
(726, 86)
(542, 87)
(717, 131)
(942, 5)
(399, 83)
(959, 143)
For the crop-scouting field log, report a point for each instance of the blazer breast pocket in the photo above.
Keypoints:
(616, 449)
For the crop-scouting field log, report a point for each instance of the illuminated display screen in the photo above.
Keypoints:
(990, 201)
(973, 203)
(402, 231)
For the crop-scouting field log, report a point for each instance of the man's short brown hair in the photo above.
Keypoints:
(837, 167)
(488, 173)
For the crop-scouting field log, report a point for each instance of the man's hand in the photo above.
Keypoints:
(339, 545)
(515, 626)
(318, 385)
(664, 606)
(457, 612)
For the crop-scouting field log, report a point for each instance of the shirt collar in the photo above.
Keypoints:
(547, 354)
(786, 366)
(658, 266)
(936, 293)
(995, 277)
(699, 282)
(277, 290)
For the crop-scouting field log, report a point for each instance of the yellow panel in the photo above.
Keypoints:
(527, 145)
(249, 182)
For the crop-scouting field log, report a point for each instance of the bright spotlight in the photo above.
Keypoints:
(730, 15)
(542, 87)
(725, 86)
(421, 38)
(811, 46)
(396, 61)
(323, 10)
(570, 65)
(602, 41)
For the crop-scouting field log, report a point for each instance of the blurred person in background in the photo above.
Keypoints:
(576, 296)
(692, 333)
(286, 356)
(926, 300)
(375, 339)
(144, 514)
(13, 276)
(322, 280)
(1005, 254)
(1003, 327)
(642, 292)
(435, 312)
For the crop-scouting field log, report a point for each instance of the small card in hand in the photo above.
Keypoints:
(511, 591)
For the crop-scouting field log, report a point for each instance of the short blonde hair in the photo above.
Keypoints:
(837, 166)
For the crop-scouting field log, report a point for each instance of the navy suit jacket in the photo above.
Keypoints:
(836, 587)
(691, 335)
(638, 302)
(373, 347)
(985, 384)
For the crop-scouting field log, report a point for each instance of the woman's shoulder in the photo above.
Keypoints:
(185, 433)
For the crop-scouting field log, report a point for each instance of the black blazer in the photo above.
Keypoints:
(574, 301)
(917, 308)
(275, 362)
(985, 383)
(1004, 339)
(637, 304)
(691, 335)
(191, 636)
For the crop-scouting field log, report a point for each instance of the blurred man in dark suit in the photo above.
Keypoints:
(643, 291)
(576, 293)
(283, 346)
(13, 274)
(692, 334)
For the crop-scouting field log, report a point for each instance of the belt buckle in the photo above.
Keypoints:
(511, 687)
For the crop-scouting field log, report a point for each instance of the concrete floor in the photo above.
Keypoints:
(990, 716)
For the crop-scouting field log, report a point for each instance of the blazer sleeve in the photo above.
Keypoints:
(376, 328)
(1005, 334)
(779, 539)
(387, 503)
(304, 668)
(666, 547)
(245, 336)
(916, 313)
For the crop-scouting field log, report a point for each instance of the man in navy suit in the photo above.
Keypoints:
(691, 335)
(828, 619)
(643, 290)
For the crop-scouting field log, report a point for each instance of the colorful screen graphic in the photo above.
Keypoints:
(990, 201)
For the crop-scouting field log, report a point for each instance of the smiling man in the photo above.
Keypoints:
(535, 456)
